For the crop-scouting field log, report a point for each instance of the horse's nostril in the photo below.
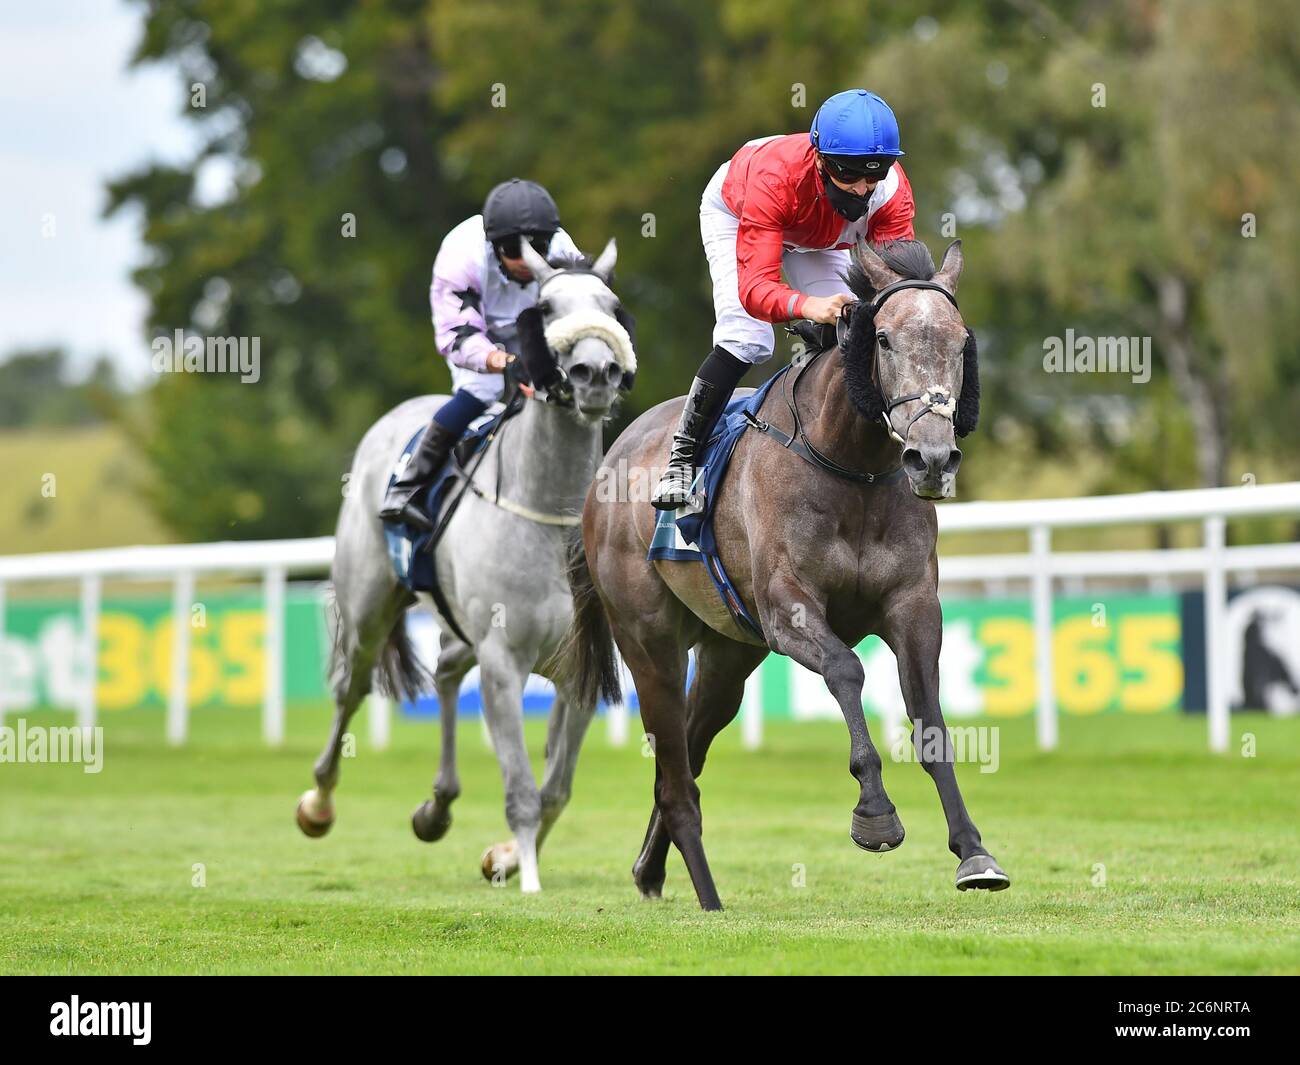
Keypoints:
(580, 374)
(613, 373)
(954, 460)
(912, 461)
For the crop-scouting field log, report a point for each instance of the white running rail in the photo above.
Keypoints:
(276, 560)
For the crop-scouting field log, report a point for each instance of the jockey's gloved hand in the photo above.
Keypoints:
(515, 374)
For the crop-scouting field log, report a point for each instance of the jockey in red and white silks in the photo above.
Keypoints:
(764, 211)
(795, 203)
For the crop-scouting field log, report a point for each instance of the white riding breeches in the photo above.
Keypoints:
(488, 387)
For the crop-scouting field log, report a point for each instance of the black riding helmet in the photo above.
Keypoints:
(518, 207)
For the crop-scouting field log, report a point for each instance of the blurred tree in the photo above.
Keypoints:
(35, 390)
(1116, 217)
(321, 114)
(1125, 168)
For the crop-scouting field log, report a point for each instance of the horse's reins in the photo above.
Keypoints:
(560, 394)
(510, 506)
(936, 400)
(513, 407)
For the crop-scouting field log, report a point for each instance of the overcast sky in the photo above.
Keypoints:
(71, 116)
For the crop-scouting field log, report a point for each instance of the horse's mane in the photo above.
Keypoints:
(564, 261)
(909, 259)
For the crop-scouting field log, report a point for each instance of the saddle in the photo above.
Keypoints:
(412, 557)
(815, 336)
(686, 534)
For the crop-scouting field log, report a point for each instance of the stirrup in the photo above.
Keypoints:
(407, 514)
(674, 488)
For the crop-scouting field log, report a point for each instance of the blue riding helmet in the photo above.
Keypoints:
(855, 122)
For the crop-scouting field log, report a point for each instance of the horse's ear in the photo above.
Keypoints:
(603, 267)
(950, 272)
(968, 403)
(540, 267)
(880, 275)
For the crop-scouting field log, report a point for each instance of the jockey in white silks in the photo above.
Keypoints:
(480, 286)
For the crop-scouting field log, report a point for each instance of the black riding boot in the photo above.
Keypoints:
(399, 503)
(709, 394)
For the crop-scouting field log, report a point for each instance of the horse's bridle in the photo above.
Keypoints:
(936, 400)
(561, 392)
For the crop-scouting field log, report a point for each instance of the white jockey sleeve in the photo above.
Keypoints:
(456, 300)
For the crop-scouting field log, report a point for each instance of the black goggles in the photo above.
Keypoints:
(853, 168)
(511, 248)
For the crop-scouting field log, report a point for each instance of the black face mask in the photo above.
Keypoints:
(845, 203)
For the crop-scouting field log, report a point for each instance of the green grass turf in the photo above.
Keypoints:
(1200, 856)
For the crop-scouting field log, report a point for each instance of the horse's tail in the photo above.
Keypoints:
(586, 661)
(399, 673)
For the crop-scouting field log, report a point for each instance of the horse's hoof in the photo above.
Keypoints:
(877, 834)
(314, 817)
(500, 862)
(650, 889)
(430, 824)
(980, 871)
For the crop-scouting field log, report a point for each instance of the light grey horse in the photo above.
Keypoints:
(501, 565)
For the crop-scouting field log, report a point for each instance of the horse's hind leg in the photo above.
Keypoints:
(565, 733)
(356, 649)
(721, 668)
(658, 666)
(432, 818)
(315, 812)
(914, 629)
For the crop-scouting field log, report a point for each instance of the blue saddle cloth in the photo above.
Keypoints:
(687, 536)
(407, 549)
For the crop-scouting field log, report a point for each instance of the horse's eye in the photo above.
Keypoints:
(883, 341)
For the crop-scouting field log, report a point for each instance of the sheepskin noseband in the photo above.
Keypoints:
(564, 332)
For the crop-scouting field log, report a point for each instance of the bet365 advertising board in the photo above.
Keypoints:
(1137, 654)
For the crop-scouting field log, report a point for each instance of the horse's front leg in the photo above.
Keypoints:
(503, 670)
(796, 624)
(914, 631)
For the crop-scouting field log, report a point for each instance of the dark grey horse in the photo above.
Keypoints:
(820, 557)
(501, 566)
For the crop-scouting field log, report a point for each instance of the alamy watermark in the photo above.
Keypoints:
(966, 743)
(195, 354)
(37, 743)
(1076, 354)
(626, 482)
(133, 1019)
